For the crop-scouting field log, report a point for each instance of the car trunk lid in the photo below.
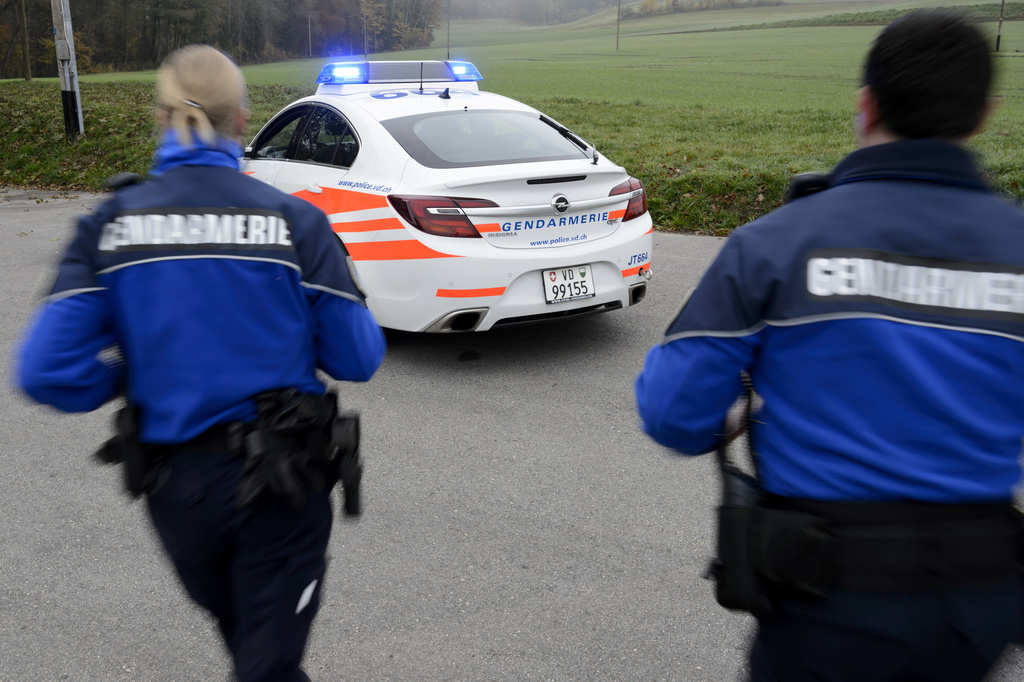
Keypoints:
(566, 204)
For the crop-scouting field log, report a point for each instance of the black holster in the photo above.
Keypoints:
(301, 440)
(139, 462)
(765, 553)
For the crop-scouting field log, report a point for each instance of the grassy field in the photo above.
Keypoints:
(713, 122)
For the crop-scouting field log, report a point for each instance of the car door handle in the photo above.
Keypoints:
(315, 189)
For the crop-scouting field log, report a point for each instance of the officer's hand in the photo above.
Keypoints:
(736, 420)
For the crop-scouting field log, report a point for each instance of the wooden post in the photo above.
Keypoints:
(999, 31)
(24, 40)
(67, 69)
(618, 19)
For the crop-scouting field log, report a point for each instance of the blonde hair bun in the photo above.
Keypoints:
(202, 90)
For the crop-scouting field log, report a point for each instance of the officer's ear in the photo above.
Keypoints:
(870, 128)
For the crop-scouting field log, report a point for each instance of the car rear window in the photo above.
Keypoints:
(462, 139)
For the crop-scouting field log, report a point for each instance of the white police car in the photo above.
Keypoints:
(462, 210)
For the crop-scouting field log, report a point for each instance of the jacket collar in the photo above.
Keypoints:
(171, 153)
(926, 160)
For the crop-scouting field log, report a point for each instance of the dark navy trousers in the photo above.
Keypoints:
(950, 636)
(259, 571)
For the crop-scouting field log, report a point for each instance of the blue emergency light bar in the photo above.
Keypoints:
(340, 73)
(464, 71)
(350, 73)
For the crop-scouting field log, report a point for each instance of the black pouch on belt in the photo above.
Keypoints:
(737, 585)
(792, 551)
(764, 553)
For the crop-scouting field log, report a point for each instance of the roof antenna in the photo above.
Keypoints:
(445, 95)
(421, 76)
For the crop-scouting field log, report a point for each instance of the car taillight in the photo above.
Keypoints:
(637, 202)
(441, 216)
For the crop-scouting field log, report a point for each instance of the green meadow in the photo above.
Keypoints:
(712, 117)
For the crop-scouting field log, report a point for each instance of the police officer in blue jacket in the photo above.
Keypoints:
(193, 293)
(881, 320)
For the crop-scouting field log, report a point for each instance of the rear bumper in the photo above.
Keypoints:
(500, 287)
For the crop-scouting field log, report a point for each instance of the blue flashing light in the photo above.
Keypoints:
(465, 71)
(340, 73)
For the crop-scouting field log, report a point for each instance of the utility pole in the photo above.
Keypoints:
(449, 16)
(24, 40)
(618, 19)
(999, 31)
(309, 27)
(67, 69)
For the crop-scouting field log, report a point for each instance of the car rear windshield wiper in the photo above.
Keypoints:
(567, 134)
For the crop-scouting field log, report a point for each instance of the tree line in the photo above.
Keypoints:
(127, 35)
(546, 12)
(124, 35)
(539, 12)
(650, 8)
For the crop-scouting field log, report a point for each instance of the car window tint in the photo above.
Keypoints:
(348, 148)
(480, 138)
(327, 138)
(274, 141)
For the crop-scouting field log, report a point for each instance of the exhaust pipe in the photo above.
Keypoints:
(637, 293)
(458, 321)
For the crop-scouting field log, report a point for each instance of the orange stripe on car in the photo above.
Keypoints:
(616, 214)
(407, 249)
(336, 200)
(369, 225)
(470, 293)
(333, 200)
(636, 270)
(311, 197)
(488, 227)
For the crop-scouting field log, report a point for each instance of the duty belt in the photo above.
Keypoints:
(907, 546)
(228, 437)
(296, 441)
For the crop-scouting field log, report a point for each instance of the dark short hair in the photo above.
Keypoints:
(930, 72)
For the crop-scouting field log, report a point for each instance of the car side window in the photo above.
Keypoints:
(327, 138)
(275, 141)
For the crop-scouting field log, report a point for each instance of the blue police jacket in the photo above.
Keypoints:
(193, 292)
(882, 322)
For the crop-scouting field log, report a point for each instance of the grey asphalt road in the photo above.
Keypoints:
(518, 525)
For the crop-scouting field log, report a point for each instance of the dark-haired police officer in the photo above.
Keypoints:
(205, 296)
(881, 320)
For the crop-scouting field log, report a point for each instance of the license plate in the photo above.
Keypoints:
(569, 284)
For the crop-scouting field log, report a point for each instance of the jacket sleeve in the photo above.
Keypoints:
(69, 356)
(691, 379)
(350, 345)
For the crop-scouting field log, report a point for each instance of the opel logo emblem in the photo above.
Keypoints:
(560, 203)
